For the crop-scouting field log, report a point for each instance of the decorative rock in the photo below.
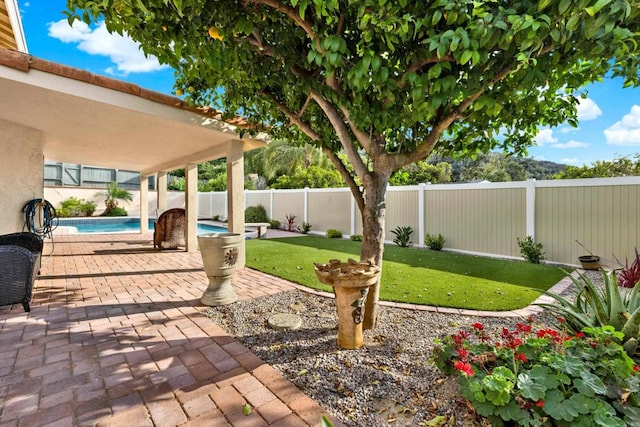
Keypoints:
(284, 321)
(298, 307)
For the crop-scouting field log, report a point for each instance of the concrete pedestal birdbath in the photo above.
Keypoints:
(350, 281)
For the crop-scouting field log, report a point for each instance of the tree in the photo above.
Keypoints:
(422, 172)
(281, 158)
(312, 177)
(385, 82)
(113, 194)
(622, 166)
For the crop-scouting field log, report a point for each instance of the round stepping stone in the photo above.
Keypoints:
(284, 321)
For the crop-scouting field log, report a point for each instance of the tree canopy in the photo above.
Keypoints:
(385, 82)
(621, 166)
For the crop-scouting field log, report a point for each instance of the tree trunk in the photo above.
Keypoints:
(373, 224)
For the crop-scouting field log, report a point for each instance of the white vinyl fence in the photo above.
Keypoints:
(483, 218)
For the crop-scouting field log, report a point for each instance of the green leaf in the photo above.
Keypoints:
(563, 6)
(590, 385)
(559, 408)
(529, 388)
(436, 421)
(543, 4)
(246, 409)
(598, 6)
(435, 18)
(325, 421)
(466, 56)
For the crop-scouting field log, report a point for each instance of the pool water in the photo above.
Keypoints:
(122, 225)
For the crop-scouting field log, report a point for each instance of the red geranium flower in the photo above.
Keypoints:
(464, 367)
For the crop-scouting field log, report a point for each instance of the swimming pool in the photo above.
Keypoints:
(122, 225)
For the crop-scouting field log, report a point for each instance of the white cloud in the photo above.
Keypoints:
(587, 109)
(568, 129)
(625, 131)
(571, 144)
(571, 161)
(545, 136)
(121, 50)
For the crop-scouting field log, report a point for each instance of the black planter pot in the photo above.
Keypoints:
(589, 262)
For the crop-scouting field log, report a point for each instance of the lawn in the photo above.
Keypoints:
(410, 275)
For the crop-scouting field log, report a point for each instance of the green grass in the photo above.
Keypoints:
(415, 276)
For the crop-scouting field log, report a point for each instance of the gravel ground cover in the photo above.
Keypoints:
(390, 381)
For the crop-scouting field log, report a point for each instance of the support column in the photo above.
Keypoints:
(144, 204)
(191, 206)
(161, 188)
(235, 193)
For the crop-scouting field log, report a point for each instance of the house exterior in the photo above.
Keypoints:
(64, 114)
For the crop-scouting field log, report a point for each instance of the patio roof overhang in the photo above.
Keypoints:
(95, 120)
(11, 34)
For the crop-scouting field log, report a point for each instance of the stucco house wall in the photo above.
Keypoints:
(21, 172)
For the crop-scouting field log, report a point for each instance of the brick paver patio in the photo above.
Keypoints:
(115, 337)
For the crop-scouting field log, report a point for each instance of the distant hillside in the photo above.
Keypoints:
(497, 167)
(541, 169)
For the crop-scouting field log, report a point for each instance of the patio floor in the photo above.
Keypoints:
(115, 337)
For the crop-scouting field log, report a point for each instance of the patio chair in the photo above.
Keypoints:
(17, 273)
(169, 230)
(30, 241)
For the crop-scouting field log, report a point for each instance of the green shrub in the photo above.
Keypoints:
(73, 207)
(255, 214)
(274, 224)
(602, 306)
(305, 228)
(545, 377)
(403, 236)
(89, 208)
(117, 211)
(334, 234)
(356, 237)
(434, 242)
(216, 218)
(530, 250)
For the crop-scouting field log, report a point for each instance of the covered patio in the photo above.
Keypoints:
(116, 337)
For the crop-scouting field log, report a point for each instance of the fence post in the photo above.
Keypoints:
(271, 203)
(421, 228)
(244, 203)
(306, 204)
(353, 215)
(531, 207)
(226, 206)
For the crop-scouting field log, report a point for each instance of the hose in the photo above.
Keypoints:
(40, 218)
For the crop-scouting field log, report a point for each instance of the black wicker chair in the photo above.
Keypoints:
(16, 275)
(20, 256)
(30, 241)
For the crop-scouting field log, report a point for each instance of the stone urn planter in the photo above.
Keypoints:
(219, 255)
(350, 281)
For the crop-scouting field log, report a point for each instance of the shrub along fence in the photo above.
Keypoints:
(482, 218)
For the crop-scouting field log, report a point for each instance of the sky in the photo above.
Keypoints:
(609, 117)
